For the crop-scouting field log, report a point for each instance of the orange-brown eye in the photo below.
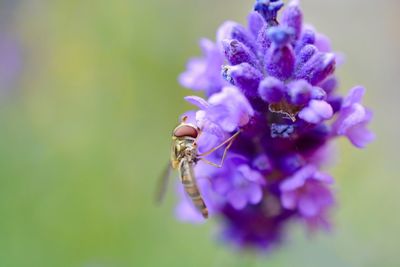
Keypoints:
(186, 131)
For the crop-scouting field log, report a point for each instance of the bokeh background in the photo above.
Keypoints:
(88, 98)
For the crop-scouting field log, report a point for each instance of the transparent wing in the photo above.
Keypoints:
(162, 183)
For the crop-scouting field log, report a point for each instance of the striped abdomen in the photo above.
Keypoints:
(189, 183)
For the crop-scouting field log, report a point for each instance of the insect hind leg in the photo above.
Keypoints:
(229, 141)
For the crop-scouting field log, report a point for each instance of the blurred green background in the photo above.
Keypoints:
(88, 99)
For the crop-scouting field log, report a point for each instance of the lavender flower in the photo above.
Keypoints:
(204, 73)
(353, 119)
(306, 191)
(274, 81)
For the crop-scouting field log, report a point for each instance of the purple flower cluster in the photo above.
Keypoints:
(274, 82)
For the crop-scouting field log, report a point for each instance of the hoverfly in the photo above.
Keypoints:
(185, 155)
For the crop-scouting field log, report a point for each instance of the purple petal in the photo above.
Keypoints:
(293, 17)
(309, 115)
(322, 177)
(349, 117)
(326, 155)
(225, 32)
(306, 191)
(193, 77)
(254, 193)
(209, 139)
(299, 92)
(290, 163)
(262, 163)
(289, 200)
(340, 59)
(232, 30)
(353, 119)
(329, 85)
(263, 41)
(203, 172)
(298, 179)
(279, 62)
(221, 185)
(197, 101)
(251, 175)
(255, 22)
(354, 96)
(307, 38)
(316, 112)
(246, 77)
(323, 43)
(186, 212)
(335, 102)
(211, 133)
(360, 136)
(231, 108)
(318, 93)
(203, 73)
(318, 68)
(271, 90)
(308, 207)
(210, 127)
(322, 109)
(280, 58)
(280, 35)
(305, 54)
(236, 52)
(237, 199)
(221, 115)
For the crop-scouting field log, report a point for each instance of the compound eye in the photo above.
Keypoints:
(186, 131)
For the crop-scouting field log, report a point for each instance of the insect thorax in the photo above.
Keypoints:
(183, 148)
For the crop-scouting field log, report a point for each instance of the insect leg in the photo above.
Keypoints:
(229, 140)
(211, 163)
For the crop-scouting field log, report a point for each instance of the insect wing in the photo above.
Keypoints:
(162, 183)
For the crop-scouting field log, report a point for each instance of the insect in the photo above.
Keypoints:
(185, 155)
